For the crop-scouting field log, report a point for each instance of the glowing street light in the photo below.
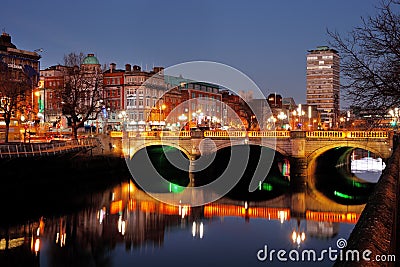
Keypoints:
(123, 116)
(282, 116)
(161, 107)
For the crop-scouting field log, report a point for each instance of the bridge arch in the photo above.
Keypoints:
(319, 151)
(135, 149)
(267, 145)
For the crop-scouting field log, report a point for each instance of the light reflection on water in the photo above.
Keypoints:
(122, 226)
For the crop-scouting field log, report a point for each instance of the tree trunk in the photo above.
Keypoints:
(75, 131)
(7, 131)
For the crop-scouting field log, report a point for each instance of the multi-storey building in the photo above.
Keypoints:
(323, 83)
(142, 95)
(20, 66)
(21, 61)
(201, 103)
(51, 84)
(113, 95)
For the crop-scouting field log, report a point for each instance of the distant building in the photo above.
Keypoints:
(288, 103)
(201, 102)
(143, 89)
(19, 61)
(274, 100)
(323, 83)
(113, 95)
(51, 84)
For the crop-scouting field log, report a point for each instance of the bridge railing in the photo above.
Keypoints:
(257, 134)
(366, 134)
(347, 134)
(225, 134)
(326, 134)
(153, 134)
(271, 134)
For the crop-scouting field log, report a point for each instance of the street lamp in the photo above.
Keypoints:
(300, 113)
(123, 116)
(182, 118)
(282, 116)
(162, 107)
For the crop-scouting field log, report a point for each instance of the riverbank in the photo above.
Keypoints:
(33, 187)
(376, 229)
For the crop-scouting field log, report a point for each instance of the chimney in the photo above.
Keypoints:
(112, 67)
(128, 68)
(5, 41)
(136, 68)
(158, 70)
(6, 37)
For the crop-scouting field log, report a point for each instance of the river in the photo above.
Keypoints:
(115, 223)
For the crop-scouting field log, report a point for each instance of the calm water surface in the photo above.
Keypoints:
(118, 224)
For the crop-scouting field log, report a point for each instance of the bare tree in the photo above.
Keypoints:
(370, 59)
(14, 87)
(73, 59)
(81, 98)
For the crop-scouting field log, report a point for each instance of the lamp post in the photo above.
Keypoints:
(282, 116)
(309, 117)
(161, 107)
(300, 113)
(123, 116)
(182, 118)
(294, 118)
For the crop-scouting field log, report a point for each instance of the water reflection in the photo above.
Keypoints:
(335, 179)
(122, 225)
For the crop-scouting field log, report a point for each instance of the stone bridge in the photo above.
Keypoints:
(302, 147)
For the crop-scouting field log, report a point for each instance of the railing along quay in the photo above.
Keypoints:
(43, 149)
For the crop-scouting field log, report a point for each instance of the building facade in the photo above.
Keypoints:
(323, 83)
(143, 89)
(113, 95)
(19, 67)
(51, 84)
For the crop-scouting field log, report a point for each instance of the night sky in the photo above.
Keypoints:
(267, 40)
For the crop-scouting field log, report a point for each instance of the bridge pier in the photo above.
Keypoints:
(298, 161)
(192, 170)
(298, 172)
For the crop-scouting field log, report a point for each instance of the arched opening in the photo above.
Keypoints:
(272, 179)
(331, 173)
(151, 163)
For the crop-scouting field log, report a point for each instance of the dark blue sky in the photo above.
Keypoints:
(267, 40)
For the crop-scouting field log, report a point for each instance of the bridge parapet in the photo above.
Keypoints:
(289, 143)
(258, 134)
(348, 134)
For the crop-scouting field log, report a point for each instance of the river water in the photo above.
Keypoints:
(117, 224)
